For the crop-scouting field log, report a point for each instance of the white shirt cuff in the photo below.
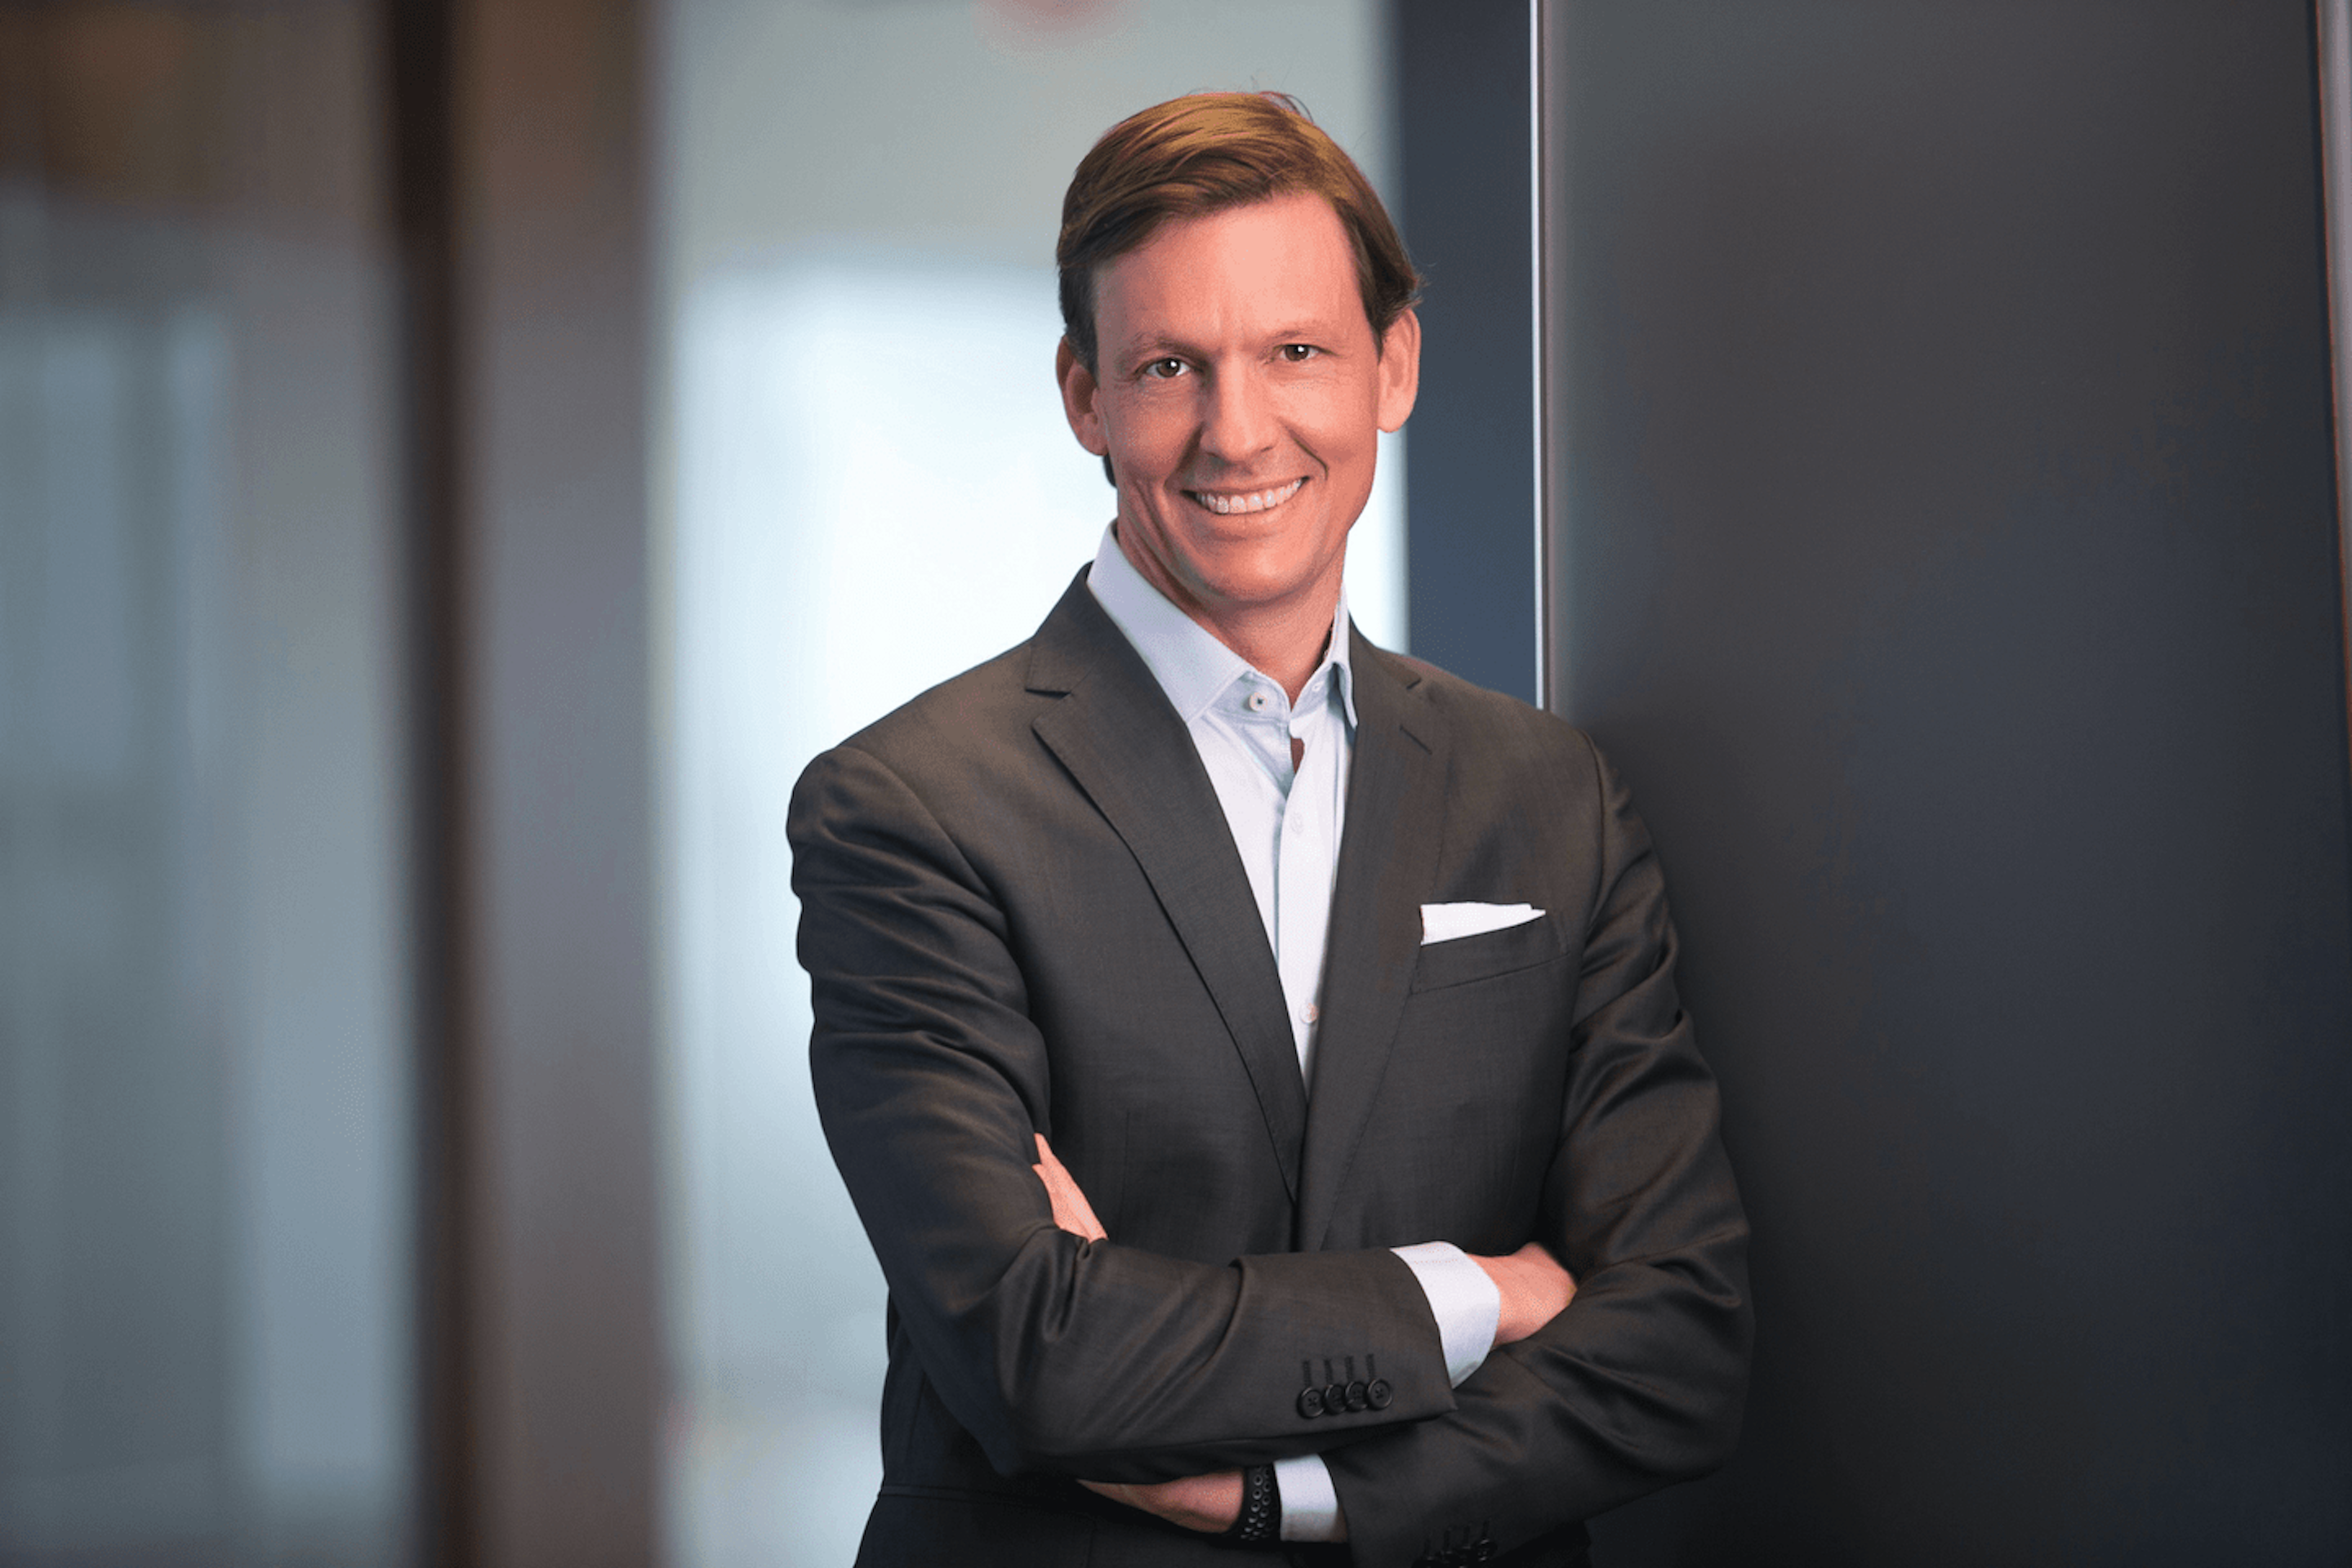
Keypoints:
(1310, 1509)
(1465, 1304)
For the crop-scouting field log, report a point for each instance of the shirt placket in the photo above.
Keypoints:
(1305, 873)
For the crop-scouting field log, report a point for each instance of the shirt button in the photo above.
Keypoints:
(1312, 1012)
(1256, 701)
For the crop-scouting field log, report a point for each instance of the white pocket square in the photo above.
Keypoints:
(1448, 922)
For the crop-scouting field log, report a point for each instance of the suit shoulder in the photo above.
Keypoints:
(989, 697)
(939, 742)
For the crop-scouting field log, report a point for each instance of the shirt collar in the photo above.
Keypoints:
(1191, 666)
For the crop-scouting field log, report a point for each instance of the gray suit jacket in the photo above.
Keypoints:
(1022, 912)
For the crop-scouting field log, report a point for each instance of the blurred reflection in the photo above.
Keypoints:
(203, 1162)
(872, 490)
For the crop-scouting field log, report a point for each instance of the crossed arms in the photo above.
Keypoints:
(1111, 1363)
(1533, 1289)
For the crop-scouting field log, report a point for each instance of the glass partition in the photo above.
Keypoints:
(203, 1108)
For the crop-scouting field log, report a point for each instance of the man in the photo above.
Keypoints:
(1226, 1030)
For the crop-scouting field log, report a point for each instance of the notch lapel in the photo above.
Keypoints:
(1388, 864)
(1115, 732)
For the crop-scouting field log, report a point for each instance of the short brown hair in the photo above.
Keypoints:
(1203, 153)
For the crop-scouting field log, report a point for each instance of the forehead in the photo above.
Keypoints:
(1283, 262)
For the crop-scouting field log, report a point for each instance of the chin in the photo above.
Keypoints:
(1259, 588)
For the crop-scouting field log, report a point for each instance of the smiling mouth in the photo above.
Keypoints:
(1225, 505)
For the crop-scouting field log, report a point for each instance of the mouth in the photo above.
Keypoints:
(1226, 503)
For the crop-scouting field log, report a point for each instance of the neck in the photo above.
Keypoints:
(1284, 640)
(1286, 644)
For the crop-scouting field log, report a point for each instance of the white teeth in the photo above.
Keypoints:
(1225, 506)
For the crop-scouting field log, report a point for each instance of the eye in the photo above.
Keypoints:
(1298, 354)
(1167, 369)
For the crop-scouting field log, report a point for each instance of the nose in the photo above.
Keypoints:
(1238, 422)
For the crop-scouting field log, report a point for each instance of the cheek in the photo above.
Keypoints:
(1350, 448)
(1147, 431)
(1339, 425)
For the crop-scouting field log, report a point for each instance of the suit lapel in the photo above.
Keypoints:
(1114, 731)
(1387, 863)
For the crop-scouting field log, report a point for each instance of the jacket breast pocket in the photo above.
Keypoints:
(1488, 954)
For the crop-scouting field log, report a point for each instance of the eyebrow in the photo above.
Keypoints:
(1153, 348)
(1144, 351)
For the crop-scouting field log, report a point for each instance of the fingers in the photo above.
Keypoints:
(1558, 1278)
(1533, 1288)
(1071, 1211)
(1558, 1285)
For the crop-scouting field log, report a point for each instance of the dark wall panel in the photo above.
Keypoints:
(1947, 552)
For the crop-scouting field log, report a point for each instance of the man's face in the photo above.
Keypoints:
(1238, 391)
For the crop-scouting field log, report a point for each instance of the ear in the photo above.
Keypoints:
(1400, 371)
(1078, 393)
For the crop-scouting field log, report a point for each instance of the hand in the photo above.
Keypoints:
(1074, 1213)
(1534, 1289)
(1209, 1503)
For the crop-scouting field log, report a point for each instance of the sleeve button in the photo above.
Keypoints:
(1311, 1403)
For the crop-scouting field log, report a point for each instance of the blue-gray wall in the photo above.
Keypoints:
(1465, 208)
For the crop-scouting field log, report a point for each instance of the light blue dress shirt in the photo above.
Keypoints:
(1286, 822)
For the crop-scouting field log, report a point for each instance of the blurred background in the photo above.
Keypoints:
(458, 459)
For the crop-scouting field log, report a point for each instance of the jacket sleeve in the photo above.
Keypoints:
(1094, 1358)
(1641, 1380)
